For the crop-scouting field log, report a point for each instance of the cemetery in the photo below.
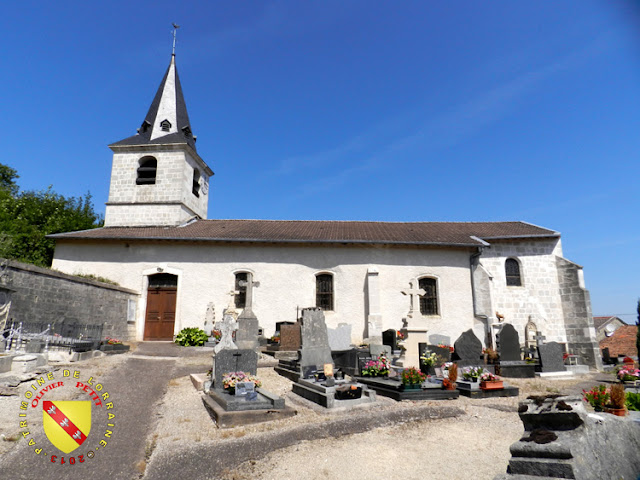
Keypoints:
(309, 383)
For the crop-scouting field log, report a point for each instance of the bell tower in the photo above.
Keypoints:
(157, 176)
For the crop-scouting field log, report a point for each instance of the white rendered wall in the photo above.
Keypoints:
(287, 280)
(539, 295)
(174, 177)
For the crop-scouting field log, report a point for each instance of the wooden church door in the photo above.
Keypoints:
(161, 307)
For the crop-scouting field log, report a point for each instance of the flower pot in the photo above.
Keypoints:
(412, 386)
(620, 412)
(495, 385)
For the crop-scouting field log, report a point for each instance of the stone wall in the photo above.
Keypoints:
(169, 201)
(43, 295)
(576, 304)
(538, 298)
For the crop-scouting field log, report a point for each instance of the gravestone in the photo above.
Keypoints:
(290, 337)
(376, 350)
(551, 357)
(389, 337)
(437, 339)
(606, 356)
(227, 327)
(315, 350)
(247, 333)
(280, 324)
(509, 344)
(467, 349)
(234, 360)
(339, 338)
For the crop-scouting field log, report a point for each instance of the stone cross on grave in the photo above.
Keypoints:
(249, 284)
(415, 294)
(227, 327)
(540, 338)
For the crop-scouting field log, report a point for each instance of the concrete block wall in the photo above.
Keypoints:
(43, 295)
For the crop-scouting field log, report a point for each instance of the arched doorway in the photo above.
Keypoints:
(161, 307)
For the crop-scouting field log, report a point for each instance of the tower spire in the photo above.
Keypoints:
(175, 29)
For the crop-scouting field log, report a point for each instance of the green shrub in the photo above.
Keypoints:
(633, 401)
(191, 337)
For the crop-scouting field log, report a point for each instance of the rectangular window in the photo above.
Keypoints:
(241, 287)
(428, 301)
(324, 291)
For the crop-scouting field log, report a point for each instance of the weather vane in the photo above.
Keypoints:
(175, 28)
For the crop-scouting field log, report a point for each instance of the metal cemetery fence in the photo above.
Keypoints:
(74, 336)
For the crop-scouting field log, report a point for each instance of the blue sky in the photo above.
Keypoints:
(354, 110)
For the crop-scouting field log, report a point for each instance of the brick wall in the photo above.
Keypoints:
(43, 295)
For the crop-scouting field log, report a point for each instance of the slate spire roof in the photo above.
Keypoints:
(167, 121)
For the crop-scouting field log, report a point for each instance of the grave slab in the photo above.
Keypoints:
(394, 389)
(325, 396)
(230, 419)
(507, 391)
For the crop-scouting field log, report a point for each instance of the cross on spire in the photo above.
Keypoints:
(175, 29)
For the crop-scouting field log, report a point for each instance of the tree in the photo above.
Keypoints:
(26, 218)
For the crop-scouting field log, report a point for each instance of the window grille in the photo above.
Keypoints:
(512, 270)
(429, 301)
(324, 291)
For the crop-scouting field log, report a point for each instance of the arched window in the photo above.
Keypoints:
(324, 291)
(429, 301)
(512, 271)
(147, 167)
(241, 288)
(196, 182)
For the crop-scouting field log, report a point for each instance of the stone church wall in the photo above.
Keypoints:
(46, 296)
(538, 299)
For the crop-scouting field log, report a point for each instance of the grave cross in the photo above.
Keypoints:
(232, 295)
(414, 293)
(227, 327)
(540, 338)
(248, 284)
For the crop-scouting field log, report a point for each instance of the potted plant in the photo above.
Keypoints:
(633, 401)
(412, 378)
(472, 373)
(488, 381)
(449, 382)
(229, 381)
(617, 400)
(376, 368)
(597, 397)
(428, 361)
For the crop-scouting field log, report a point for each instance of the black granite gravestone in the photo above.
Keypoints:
(389, 338)
(606, 356)
(509, 344)
(551, 357)
(234, 360)
(467, 349)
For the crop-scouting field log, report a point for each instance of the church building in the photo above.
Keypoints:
(433, 279)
